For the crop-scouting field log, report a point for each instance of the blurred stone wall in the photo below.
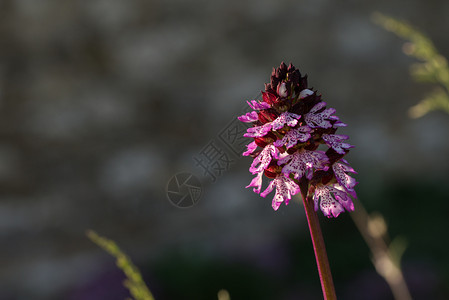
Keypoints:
(102, 101)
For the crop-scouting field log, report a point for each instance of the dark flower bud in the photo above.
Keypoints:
(269, 98)
(282, 90)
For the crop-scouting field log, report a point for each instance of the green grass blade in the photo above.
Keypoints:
(134, 282)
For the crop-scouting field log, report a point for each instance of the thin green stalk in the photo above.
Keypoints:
(134, 282)
(324, 271)
(386, 264)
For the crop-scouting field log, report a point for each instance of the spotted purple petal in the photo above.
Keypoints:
(335, 141)
(342, 197)
(302, 163)
(258, 131)
(285, 189)
(269, 189)
(262, 161)
(339, 124)
(256, 183)
(314, 119)
(290, 119)
(332, 200)
(249, 117)
(346, 181)
(294, 135)
(250, 148)
(254, 104)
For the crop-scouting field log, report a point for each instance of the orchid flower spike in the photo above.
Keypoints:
(288, 126)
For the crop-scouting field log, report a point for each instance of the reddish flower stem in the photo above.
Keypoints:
(327, 284)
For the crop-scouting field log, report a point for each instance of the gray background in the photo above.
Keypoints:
(102, 102)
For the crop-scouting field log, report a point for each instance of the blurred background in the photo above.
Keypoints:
(102, 102)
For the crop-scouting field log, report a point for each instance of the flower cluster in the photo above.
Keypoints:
(289, 126)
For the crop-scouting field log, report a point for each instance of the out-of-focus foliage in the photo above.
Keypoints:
(223, 295)
(433, 68)
(134, 282)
